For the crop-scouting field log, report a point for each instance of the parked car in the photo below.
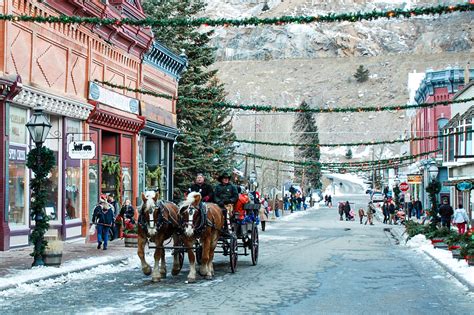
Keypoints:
(377, 197)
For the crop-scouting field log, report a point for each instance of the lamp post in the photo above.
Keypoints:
(40, 161)
(396, 192)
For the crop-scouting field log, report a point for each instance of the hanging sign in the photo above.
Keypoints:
(462, 186)
(414, 179)
(82, 150)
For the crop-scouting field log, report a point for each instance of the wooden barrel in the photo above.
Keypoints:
(131, 240)
(52, 260)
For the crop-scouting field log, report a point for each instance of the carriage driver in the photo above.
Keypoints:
(225, 195)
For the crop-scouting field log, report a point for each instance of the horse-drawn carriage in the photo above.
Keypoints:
(197, 230)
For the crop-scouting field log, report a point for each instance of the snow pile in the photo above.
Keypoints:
(459, 267)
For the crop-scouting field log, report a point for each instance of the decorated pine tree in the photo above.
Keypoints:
(362, 74)
(349, 153)
(206, 140)
(307, 129)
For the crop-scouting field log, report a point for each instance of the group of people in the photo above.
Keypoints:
(328, 201)
(294, 202)
(107, 214)
(458, 216)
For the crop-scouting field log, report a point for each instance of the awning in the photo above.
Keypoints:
(116, 120)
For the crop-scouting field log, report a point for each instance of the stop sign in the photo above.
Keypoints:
(404, 186)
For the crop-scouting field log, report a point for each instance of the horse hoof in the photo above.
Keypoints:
(147, 271)
(155, 279)
(191, 280)
(208, 277)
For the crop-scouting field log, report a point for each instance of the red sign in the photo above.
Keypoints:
(404, 186)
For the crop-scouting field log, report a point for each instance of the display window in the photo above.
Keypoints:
(53, 142)
(17, 170)
(73, 174)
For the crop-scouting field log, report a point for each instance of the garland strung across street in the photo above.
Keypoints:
(352, 144)
(266, 108)
(252, 21)
(377, 163)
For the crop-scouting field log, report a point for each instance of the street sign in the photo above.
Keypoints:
(462, 186)
(414, 179)
(404, 186)
(81, 150)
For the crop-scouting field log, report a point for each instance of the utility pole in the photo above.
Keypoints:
(302, 176)
(373, 170)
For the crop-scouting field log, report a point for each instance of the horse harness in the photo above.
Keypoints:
(144, 218)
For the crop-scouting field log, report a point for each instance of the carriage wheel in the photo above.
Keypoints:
(254, 245)
(198, 254)
(233, 253)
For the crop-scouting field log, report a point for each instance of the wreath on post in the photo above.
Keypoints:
(112, 166)
(41, 161)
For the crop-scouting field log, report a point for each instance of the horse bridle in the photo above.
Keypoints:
(191, 210)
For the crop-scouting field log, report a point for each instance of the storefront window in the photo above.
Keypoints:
(127, 183)
(53, 143)
(73, 174)
(17, 171)
(110, 174)
(141, 165)
(93, 186)
(157, 153)
(469, 150)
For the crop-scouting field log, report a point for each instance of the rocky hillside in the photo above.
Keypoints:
(282, 65)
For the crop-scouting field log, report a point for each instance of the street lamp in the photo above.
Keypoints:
(433, 171)
(39, 127)
(40, 161)
(433, 188)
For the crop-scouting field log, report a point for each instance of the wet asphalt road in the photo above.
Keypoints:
(311, 264)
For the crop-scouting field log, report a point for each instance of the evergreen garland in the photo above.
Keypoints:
(41, 161)
(180, 21)
(113, 167)
(205, 104)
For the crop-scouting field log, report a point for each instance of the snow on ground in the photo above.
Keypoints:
(460, 267)
(66, 272)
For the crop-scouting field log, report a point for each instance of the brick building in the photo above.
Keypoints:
(56, 66)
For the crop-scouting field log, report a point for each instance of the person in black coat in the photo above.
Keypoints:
(347, 210)
(446, 212)
(225, 195)
(104, 218)
(203, 188)
(127, 211)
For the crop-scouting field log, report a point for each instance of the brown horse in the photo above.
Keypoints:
(165, 225)
(205, 227)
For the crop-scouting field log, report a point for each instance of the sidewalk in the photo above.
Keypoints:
(456, 268)
(15, 264)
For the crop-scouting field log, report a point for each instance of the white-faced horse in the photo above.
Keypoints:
(166, 224)
(205, 225)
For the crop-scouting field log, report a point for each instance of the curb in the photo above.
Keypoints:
(445, 267)
(62, 273)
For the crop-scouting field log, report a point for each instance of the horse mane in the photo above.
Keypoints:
(191, 199)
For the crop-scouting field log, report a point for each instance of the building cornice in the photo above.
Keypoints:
(31, 97)
(162, 58)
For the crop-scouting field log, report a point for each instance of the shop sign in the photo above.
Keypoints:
(17, 154)
(82, 150)
(113, 99)
(462, 186)
(414, 179)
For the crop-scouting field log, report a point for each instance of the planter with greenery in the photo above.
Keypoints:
(130, 234)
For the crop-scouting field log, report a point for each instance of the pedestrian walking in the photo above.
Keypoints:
(446, 212)
(103, 218)
(128, 212)
(361, 214)
(114, 205)
(418, 208)
(461, 219)
(391, 211)
(341, 210)
(370, 213)
(385, 212)
(410, 209)
(347, 210)
(330, 201)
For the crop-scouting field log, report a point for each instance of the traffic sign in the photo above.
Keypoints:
(404, 186)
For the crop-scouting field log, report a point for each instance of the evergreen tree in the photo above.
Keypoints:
(349, 154)
(305, 124)
(362, 74)
(206, 140)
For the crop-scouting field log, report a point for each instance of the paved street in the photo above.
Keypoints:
(312, 263)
